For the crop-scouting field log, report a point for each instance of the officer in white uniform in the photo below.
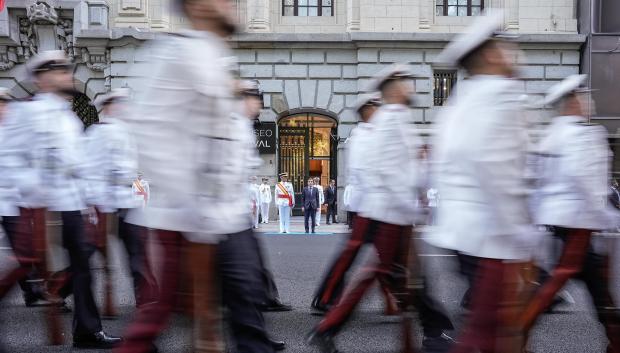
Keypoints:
(254, 201)
(285, 200)
(112, 163)
(386, 214)
(31, 284)
(572, 200)
(480, 151)
(141, 190)
(317, 184)
(265, 200)
(332, 285)
(44, 144)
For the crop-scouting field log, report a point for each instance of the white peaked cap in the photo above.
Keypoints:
(568, 85)
(487, 26)
(115, 94)
(46, 57)
(364, 99)
(391, 72)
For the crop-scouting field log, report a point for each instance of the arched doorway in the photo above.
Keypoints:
(307, 147)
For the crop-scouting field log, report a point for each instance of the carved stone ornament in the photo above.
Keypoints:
(96, 62)
(8, 58)
(42, 13)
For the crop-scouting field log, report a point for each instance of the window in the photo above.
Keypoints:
(459, 7)
(444, 82)
(306, 8)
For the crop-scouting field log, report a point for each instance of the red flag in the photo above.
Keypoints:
(1, 5)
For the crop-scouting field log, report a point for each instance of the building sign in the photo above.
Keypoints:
(265, 137)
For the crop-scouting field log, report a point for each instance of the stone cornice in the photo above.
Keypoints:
(395, 37)
(353, 39)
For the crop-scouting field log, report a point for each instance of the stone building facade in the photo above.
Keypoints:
(311, 68)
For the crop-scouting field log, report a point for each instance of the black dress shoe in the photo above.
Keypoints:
(276, 305)
(277, 345)
(319, 307)
(323, 341)
(97, 340)
(440, 344)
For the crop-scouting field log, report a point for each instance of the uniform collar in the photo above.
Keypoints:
(566, 119)
(52, 98)
(395, 107)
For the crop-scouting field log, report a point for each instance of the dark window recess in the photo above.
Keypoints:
(83, 108)
(444, 81)
(308, 8)
(459, 7)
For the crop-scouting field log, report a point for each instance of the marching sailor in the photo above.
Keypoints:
(573, 203)
(112, 163)
(483, 214)
(386, 213)
(332, 285)
(44, 143)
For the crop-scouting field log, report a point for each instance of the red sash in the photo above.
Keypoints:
(286, 195)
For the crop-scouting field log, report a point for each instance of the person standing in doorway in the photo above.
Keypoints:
(317, 185)
(264, 191)
(310, 201)
(285, 200)
(331, 199)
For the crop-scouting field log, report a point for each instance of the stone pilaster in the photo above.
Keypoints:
(426, 15)
(258, 15)
(353, 15)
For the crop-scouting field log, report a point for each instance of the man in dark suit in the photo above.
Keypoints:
(331, 200)
(310, 201)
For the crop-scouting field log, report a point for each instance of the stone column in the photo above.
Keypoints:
(257, 15)
(132, 13)
(353, 15)
(512, 9)
(159, 11)
(426, 15)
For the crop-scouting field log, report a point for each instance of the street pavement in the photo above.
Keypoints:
(298, 262)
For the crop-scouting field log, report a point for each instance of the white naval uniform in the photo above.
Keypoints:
(574, 178)
(265, 200)
(390, 180)
(9, 195)
(358, 148)
(188, 140)
(251, 161)
(479, 154)
(43, 154)
(321, 201)
(284, 210)
(254, 203)
(112, 164)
